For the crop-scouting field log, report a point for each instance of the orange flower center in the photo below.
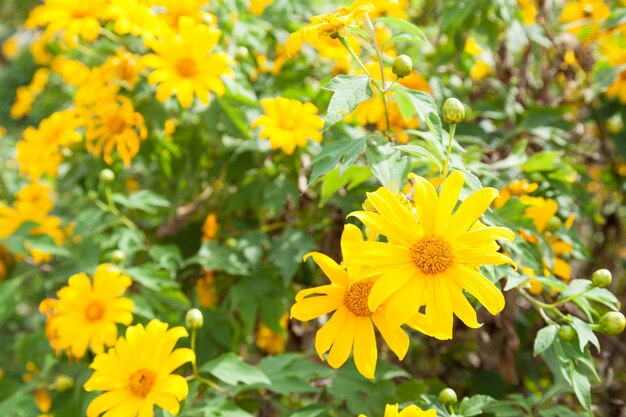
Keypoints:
(432, 254)
(356, 298)
(94, 311)
(116, 125)
(187, 67)
(141, 382)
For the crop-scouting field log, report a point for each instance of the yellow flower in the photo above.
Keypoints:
(134, 17)
(209, 227)
(392, 8)
(115, 124)
(39, 49)
(431, 255)
(26, 94)
(185, 64)
(332, 23)
(75, 18)
(137, 373)
(43, 401)
(270, 342)
(72, 72)
(371, 112)
(410, 411)
(584, 16)
(529, 11)
(541, 210)
(175, 9)
(472, 47)
(518, 187)
(332, 49)
(99, 86)
(618, 88)
(205, 289)
(86, 312)
(288, 123)
(40, 151)
(10, 47)
(479, 70)
(257, 7)
(124, 66)
(352, 324)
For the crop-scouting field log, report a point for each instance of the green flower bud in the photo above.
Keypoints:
(118, 257)
(567, 333)
(231, 243)
(602, 278)
(612, 323)
(554, 224)
(63, 383)
(453, 111)
(92, 195)
(447, 396)
(107, 176)
(402, 66)
(194, 319)
(241, 53)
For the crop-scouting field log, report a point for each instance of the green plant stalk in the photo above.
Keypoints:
(111, 208)
(379, 54)
(444, 171)
(196, 373)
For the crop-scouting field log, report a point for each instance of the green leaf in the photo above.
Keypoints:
(348, 92)
(404, 26)
(545, 338)
(617, 17)
(603, 296)
(585, 334)
(582, 389)
(542, 161)
(144, 200)
(346, 151)
(288, 249)
(222, 407)
(214, 257)
(334, 181)
(474, 406)
(387, 164)
(292, 373)
(576, 287)
(231, 369)
(420, 152)
(404, 37)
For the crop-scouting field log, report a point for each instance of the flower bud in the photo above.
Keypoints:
(92, 195)
(107, 176)
(241, 53)
(118, 257)
(63, 383)
(602, 278)
(567, 333)
(447, 396)
(453, 111)
(402, 66)
(612, 323)
(553, 224)
(194, 319)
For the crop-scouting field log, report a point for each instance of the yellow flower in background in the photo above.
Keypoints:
(352, 324)
(410, 411)
(137, 373)
(518, 188)
(257, 7)
(540, 209)
(124, 67)
(270, 342)
(371, 112)
(39, 49)
(11, 47)
(185, 65)
(332, 23)
(479, 70)
(472, 47)
(117, 125)
(43, 401)
(617, 90)
(288, 123)
(205, 288)
(583, 17)
(134, 17)
(40, 151)
(86, 311)
(72, 71)
(192, 9)
(99, 86)
(210, 227)
(26, 94)
(431, 255)
(73, 18)
(529, 11)
(392, 8)
(332, 49)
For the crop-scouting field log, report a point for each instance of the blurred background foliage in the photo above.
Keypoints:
(208, 215)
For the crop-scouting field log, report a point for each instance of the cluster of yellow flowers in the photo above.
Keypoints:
(586, 19)
(416, 276)
(33, 203)
(136, 371)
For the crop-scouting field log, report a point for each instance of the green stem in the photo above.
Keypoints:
(444, 171)
(347, 45)
(111, 208)
(541, 307)
(196, 373)
(379, 54)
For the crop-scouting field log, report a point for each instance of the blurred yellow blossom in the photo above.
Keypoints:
(583, 17)
(10, 47)
(270, 342)
(115, 124)
(43, 401)
(529, 11)
(209, 227)
(472, 47)
(205, 288)
(257, 7)
(480, 70)
(26, 94)
(288, 123)
(192, 9)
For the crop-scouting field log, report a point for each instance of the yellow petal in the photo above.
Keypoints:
(480, 287)
(333, 271)
(469, 211)
(449, 197)
(340, 351)
(365, 352)
(394, 336)
(327, 334)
